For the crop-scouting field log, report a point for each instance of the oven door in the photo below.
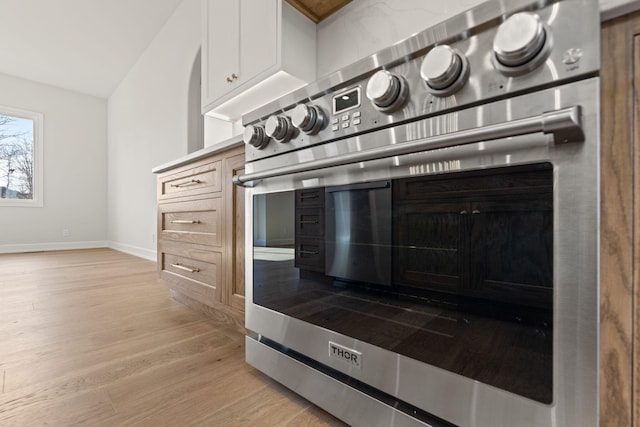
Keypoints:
(456, 278)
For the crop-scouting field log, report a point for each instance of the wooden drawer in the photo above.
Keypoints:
(195, 221)
(486, 183)
(191, 270)
(310, 197)
(310, 222)
(200, 179)
(310, 254)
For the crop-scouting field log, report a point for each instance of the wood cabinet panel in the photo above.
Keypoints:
(512, 243)
(201, 178)
(432, 242)
(309, 197)
(235, 224)
(310, 222)
(310, 229)
(201, 231)
(197, 221)
(309, 254)
(486, 235)
(516, 181)
(318, 10)
(619, 224)
(192, 270)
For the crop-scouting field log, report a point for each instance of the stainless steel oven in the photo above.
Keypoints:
(422, 226)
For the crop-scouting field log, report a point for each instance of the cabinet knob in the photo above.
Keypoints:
(234, 76)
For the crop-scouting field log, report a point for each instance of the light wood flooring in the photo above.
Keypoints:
(92, 338)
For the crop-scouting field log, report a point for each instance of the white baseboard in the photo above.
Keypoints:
(53, 246)
(65, 246)
(134, 250)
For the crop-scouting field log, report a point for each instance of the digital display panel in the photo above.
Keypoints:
(346, 100)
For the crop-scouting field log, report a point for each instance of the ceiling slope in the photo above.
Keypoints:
(87, 46)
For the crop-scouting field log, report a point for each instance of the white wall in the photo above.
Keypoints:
(148, 126)
(75, 171)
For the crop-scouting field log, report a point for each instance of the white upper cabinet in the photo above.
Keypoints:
(253, 51)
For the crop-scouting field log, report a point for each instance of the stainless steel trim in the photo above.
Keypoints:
(347, 403)
(483, 15)
(564, 124)
(576, 334)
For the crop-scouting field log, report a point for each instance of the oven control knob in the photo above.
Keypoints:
(279, 128)
(256, 136)
(445, 70)
(387, 91)
(309, 119)
(519, 39)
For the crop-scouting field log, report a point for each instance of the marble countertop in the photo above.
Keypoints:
(227, 144)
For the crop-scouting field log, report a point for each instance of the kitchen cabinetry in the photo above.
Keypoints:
(234, 224)
(620, 224)
(246, 42)
(309, 233)
(201, 230)
(487, 236)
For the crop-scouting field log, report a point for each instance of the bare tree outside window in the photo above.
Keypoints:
(21, 178)
(16, 157)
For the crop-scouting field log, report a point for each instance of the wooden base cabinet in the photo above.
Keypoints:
(620, 223)
(201, 231)
(472, 235)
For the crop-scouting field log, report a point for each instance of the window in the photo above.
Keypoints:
(20, 157)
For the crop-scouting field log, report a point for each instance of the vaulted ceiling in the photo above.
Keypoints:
(86, 46)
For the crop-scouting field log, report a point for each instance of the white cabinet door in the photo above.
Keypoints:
(220, 48)
(258, 37)
(242, 48)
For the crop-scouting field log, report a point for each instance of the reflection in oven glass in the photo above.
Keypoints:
(467, 269)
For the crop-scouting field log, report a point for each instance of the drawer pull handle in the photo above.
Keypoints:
(187, 183)
(309, 221)
(185, 268)
(185, 221)
(309, 196)
(302, 252)
(475, 212)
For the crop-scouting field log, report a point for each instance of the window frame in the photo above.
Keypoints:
(38, 160)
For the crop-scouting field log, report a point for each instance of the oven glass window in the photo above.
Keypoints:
(454, 270)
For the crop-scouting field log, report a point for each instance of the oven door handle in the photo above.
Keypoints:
(565, 125)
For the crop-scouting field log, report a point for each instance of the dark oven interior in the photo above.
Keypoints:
(454, 269)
